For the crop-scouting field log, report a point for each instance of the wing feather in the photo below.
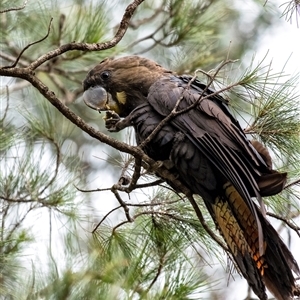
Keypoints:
(214, 131)
(210, 127)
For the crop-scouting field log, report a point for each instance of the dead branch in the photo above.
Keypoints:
(29, 45)
(124, 24)
(14, 8)
(297, 181)
(288, 223)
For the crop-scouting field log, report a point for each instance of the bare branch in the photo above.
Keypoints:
(149, 184)
(122, 203)
(124, 24)
(125, 189)
(150, 204)
(14, 8)
(29, 45)
(297, 181)
(158, 272)
(137, 24)
(202, 97)
(205, 226)
(103, 219)
(12, 59)
(136, 175)
(288, 223)
(149, 36)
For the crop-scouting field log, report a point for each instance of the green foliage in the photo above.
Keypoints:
(7, 133)
(141, 260)
(32, 177)
(274, 119)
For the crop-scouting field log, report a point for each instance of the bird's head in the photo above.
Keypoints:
(121, 84)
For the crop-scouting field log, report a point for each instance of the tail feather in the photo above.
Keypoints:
(278, 276)
(241, 251)
(238, 227)
(272, 182)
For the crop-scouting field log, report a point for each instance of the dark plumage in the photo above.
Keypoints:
(210, 153)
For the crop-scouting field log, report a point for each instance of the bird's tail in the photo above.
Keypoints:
(239, 228)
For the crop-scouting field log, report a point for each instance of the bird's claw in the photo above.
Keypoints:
(111, 121)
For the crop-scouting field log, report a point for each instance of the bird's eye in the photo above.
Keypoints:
(105, 75)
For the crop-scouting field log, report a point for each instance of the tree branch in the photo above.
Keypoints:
(297, 181)
(124, 24)
(288, 223)
(14, 8)
(28, 46)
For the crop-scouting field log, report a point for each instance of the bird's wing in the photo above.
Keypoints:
(212, 129)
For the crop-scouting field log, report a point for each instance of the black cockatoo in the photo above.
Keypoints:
(208, 152)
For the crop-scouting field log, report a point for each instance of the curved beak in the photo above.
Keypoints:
(97, 98)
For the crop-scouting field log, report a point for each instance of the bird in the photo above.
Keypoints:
(203, 144)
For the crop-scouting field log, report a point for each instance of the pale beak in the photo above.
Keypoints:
(97, 98)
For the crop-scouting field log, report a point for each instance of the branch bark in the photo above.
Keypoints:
(124, 24)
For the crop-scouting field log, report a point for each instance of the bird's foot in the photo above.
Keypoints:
(111, 121)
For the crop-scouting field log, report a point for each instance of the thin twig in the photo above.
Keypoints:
(92, 191)
(137, 24)
(57, 164)
(14, 8)
(18, 224)
(136, 175)
(288, 223)
(119, 225)
(122, 203)
(158, 272)
(103, 219)
(124, 189)
(149, 36)
(11, 58)
(201, 97)
(149, 184)
(297, 181)
(161, 124)
(205, 226)
(133, 205)
(124, 24)
(29, 45)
